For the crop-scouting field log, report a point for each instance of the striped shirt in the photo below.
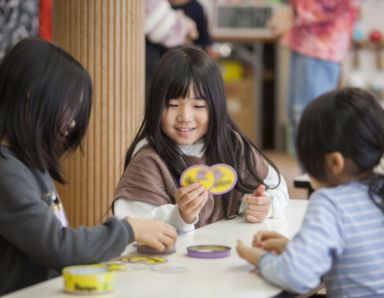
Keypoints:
(342, 239)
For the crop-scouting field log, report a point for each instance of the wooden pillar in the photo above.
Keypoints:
(107, 37)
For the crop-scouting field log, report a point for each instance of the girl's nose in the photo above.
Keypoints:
(185, 114)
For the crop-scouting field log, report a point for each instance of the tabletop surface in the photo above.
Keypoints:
(225, 277)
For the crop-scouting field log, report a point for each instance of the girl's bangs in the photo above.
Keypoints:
(180, 87)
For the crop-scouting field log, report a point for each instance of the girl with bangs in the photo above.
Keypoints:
(186, 123)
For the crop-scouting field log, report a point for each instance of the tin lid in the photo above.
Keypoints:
(208, 251)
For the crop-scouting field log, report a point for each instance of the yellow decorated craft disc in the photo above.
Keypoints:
(201, 174)
(148, 260)
(225, 178)
(115, 266)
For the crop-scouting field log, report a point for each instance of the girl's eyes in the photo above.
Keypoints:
(202, 105)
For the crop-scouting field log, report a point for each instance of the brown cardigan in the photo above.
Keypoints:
(148, 179)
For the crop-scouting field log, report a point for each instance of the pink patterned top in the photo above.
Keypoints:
(323, 28)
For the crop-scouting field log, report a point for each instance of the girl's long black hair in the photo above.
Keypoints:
(178, 70)
(349, 121)
(42, 91)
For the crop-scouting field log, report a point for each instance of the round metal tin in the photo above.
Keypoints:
(208, 251)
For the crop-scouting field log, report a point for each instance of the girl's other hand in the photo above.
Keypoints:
(270, 241)
(153, 233)
(192, 32)
(250, 254)
(282, 21)
(190, 200)
(258, 205)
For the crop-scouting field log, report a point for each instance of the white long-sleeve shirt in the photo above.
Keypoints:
(169, 213)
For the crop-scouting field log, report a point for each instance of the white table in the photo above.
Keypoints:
(228, 277)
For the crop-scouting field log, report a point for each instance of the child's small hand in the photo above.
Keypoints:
(258, 205)
(250, 254)
(270, 241)
(190, 199)
(212, 53)
(192, 32)
(281, 21)
(153, 233)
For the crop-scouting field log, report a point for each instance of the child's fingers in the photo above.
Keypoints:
(253, 219)
(189, 197)
(240, 248)
(247, 253)
(261, 212)
(259, 191)
(263, 236)
(182, 191)
(272, 245)
(197, 204)
(258, 201)
(156, 244)
(170, 232)
(257, 215)
(167, 240)
(193, 207)
(162, 240)
(258, 208)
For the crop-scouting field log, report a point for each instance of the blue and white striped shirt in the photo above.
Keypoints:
(342, 239)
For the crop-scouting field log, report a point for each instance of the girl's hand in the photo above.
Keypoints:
(250, 254)
(153, 233)
(193, 33)
(258, 205)
(270, 241)
(190, 199)
(281, 21)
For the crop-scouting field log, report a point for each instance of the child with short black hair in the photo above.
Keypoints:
(340, 141)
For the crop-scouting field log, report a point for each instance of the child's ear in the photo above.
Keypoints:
(334, 162)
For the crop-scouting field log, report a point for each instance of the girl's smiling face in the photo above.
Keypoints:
(186, 120)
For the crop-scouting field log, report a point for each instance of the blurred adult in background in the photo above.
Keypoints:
(165, 28)
(318, 32)
(194, 10)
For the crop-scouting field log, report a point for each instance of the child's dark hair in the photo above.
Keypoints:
(349, 121)
(178, 70)
(42, 91)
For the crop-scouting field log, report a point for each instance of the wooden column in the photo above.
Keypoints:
(107, 37)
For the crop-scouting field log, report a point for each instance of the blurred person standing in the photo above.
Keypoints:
(195, 10)
(319, 34)
(165, 28)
